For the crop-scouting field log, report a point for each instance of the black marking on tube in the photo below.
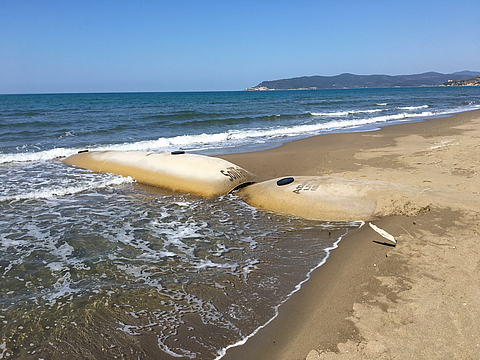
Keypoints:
(234, 173)
(82, 151)
(285, 181)
(178, 152)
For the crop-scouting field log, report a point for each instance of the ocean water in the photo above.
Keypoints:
(98, 266)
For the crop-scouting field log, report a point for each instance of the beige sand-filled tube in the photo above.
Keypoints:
(187, 173)
(335, 199)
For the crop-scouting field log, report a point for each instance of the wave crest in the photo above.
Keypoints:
(236, 137)
(62, 191)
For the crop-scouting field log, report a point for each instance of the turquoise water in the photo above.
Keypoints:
(97, 266)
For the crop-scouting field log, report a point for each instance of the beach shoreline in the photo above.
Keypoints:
(371, 300)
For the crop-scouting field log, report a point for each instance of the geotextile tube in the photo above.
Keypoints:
(187, 173)
(335, 199)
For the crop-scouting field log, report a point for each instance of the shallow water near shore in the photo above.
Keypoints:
(126, 272)
(96, 265)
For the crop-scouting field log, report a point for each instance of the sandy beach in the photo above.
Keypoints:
(371, 300)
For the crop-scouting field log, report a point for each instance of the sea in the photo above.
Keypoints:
(96, 266)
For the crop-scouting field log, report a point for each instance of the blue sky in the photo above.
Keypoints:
(185, 45)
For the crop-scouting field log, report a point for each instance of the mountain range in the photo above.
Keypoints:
(352, 81)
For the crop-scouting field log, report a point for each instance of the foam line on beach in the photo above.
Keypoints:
(229, 138)
(222, 352)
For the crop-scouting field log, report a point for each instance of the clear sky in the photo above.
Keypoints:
(185, 45)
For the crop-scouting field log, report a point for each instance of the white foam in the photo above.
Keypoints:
(61, 288)
(347, 112)
(334, 113)
(63, 251)
(62, 191)
(233, 137)
(204, 264)
(3, 349)
(55, 266)
(249, 268)
(221, 353)
(413, 107)
(37, 156)
(184, 352)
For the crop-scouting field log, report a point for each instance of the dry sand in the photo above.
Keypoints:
(418, 300)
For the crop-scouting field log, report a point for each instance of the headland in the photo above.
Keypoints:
(353, 81)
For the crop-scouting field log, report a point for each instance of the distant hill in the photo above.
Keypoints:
(352, 81)
(473, 81)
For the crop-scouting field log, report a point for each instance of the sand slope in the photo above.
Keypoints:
(418, 300)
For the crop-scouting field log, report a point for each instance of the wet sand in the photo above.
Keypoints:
(419, 299)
